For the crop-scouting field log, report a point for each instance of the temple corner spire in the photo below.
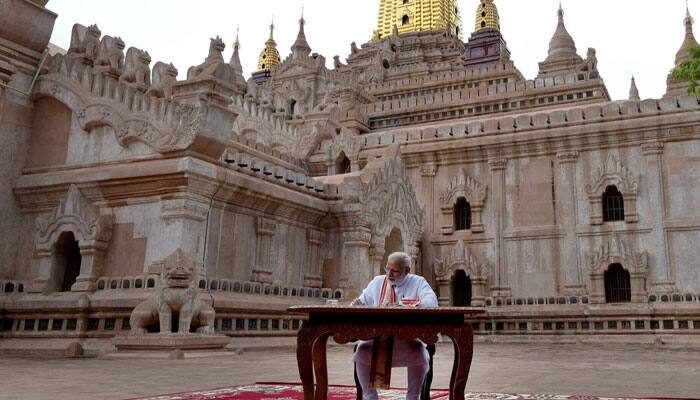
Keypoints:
(634, 91)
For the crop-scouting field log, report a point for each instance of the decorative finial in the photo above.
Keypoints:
(688, 20)
(560, 12)
(237, 44)
(302, 21)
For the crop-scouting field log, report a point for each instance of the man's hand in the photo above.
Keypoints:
(357, 302)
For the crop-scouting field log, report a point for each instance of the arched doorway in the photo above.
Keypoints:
(392, 243)
(343, 164)
(461, 289)
(617, 284)
(68, 261)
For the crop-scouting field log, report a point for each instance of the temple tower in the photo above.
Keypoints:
(674, 87)
(417, 16)
(269, 57)
(486, 44)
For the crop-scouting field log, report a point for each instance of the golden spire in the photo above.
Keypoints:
(269, 57)
(417, 16)
(487, 16)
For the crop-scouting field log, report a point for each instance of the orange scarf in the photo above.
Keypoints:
(388, 295)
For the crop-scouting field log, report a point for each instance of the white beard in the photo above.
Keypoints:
(397, 281)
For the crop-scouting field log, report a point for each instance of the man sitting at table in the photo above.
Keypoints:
(398, 286)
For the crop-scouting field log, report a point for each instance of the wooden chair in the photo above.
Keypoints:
(425, 392)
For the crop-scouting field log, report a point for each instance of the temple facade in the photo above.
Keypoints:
(560, 210)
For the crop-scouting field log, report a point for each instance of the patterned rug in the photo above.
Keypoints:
(290, 391)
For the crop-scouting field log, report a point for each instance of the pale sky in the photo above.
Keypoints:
(632, 37)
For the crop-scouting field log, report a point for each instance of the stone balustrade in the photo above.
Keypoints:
(222, 285)
(130, 98)
(457, 92)
(588, 115)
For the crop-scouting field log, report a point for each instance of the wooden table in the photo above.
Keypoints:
(348, 324)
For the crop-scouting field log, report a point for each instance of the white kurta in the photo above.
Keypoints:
(406, 353)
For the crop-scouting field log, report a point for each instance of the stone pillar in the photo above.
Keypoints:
(567, 214)
(662, 278)
(355, 268)
(264, 232)
(92, 260)
(498, 185)
(313, 278)
(413, 251)
(596, 293)
(354, 163)
(185, 228)
(444, 283)
(42, 267)
(376, 256)
(428, 173)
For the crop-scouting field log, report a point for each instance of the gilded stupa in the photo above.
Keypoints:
(486, 44)
(269, 56)
(487, 16)
(417, 16)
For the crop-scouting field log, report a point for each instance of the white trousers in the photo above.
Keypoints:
(411, 354)
(416, 377)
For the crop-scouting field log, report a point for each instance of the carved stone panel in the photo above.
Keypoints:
(473, 191)
(616, 250)
(91, 228)
(617, 174)
(461, 258)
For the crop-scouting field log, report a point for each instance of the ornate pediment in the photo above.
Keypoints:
(612, 173)
(465, 186)
(347, 143)
(74, 214)
(461, 258)
(616, 250)
(389, 195)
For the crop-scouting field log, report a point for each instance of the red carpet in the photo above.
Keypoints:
(288, 391)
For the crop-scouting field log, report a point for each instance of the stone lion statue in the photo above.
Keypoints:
(176, 298)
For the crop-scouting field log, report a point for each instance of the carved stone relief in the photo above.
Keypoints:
(461, 258)
(474, 192)
(92, 230)
(616, 250)
(612, 173)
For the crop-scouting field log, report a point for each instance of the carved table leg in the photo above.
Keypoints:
(320, 367)
(425, 391)
(464, 348)
(305, 340)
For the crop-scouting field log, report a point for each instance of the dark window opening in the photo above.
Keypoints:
(343, 165)
(68, 247)
(462, 215)
(613, 205)
(617, 285)
(405, 20)
(461, 289)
